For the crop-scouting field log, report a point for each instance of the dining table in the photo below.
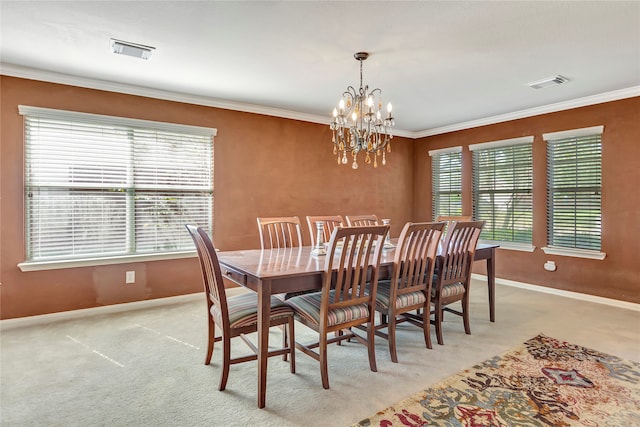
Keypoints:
(284, 270)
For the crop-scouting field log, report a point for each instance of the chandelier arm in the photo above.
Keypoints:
(350, 95)
(351, 91)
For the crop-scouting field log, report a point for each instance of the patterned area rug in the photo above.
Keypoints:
(545, 382)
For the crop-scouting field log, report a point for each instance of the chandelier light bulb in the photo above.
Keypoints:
(335, 113)
(389, 107)
(354, 116)
(341, 105)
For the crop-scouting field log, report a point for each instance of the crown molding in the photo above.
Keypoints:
(51, 77)
(67, 79)
(529, 112)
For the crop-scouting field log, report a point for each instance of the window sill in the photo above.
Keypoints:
(511, 246)
(578, 253)
(89, 262)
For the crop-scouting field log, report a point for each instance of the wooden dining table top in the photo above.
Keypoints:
(299, 261)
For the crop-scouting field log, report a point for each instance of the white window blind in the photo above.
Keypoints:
(502, 189)
(446, 179)
(99, 186)
(574, 187)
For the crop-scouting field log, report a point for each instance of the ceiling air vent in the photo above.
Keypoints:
(131, 49)
(549, 81)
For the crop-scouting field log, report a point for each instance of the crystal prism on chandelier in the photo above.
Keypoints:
(358, 125)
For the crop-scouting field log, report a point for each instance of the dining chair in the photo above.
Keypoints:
(236, 316)
(279, 232)
(361, 220)
(453, 273)
(352, 258)
(330, 222)
(409, 287)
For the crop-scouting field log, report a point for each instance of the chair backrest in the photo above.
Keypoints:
(280, 232)
(415, 257)
(361, 220)
(330, 222)
(353, 259)
(458, 249)
(448, 219)
(211, 274)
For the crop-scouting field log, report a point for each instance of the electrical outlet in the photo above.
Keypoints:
(550, 266)
(130, 277)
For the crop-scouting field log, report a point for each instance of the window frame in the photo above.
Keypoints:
(487, 147)
(570, 136)
(134, 190)
(435, 180)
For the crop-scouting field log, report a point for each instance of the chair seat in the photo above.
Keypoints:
(243, 310)
(308, 306)
(383, 297)
(450, 290)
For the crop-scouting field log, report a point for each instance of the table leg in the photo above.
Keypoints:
(264, 313)
(491, 283)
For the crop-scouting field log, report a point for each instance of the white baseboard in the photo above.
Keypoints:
(137, 305)
(559, 292)
(107, 309)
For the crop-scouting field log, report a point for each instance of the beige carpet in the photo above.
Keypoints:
(145, 367)
(542, 382)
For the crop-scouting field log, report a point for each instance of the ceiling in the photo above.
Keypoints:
(443, 64)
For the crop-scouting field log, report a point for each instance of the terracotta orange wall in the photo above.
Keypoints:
(263, 166)
(618, 275)
(267, 166)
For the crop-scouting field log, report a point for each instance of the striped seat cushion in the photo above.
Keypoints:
(307, 306)
(243, 310)
(383, 296)
(450, 290)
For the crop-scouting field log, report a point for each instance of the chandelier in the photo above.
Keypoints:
(358, 125)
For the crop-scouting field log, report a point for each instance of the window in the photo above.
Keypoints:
(446, 174)
(502, 189)
(574, 189)
(100, 187)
